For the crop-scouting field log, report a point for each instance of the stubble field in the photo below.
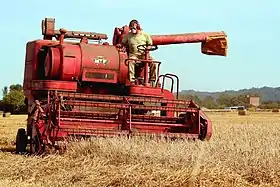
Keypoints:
(244, 151)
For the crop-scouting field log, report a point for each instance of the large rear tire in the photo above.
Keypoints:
(21, 141)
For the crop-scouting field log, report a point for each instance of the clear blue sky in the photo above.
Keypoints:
(252, 26)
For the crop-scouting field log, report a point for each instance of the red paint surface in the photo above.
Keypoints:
(183, 38)
(88, 86)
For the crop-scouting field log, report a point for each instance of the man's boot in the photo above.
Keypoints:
(152, 82)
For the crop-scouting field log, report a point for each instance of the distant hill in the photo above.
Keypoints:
(266, 93)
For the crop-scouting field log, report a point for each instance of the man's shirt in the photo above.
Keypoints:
(133, 40)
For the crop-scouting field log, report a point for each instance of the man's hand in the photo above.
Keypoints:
(149, 47)
(119, 46)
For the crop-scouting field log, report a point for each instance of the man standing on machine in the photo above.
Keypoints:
(131, 40)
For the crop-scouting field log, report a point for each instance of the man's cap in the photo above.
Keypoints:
(132, 22)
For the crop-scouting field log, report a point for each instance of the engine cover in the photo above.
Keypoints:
(85, 62)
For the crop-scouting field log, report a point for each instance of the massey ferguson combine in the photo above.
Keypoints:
(82, 89)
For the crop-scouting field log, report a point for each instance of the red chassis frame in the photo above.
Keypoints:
(75, 114)
(68, 112)
(63, 108)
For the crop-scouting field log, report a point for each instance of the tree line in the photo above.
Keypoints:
(13, 100)
(225, 100)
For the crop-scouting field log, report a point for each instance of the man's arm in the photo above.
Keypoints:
(125, 40)
(149, 40)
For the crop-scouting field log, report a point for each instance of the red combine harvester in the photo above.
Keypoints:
(82, 89)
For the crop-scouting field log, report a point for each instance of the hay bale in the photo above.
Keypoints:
(252, 109)
(241, 112)
(275, 110)
(6, 114)
(1, 113)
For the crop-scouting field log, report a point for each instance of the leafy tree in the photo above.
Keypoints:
(16, 87)
(13, 101)
(5, 91)
(241, 100)
(209, 102)
(270, 105)
(224, 100)
(195, 98)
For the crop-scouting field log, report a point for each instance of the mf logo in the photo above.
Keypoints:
(100, 60)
